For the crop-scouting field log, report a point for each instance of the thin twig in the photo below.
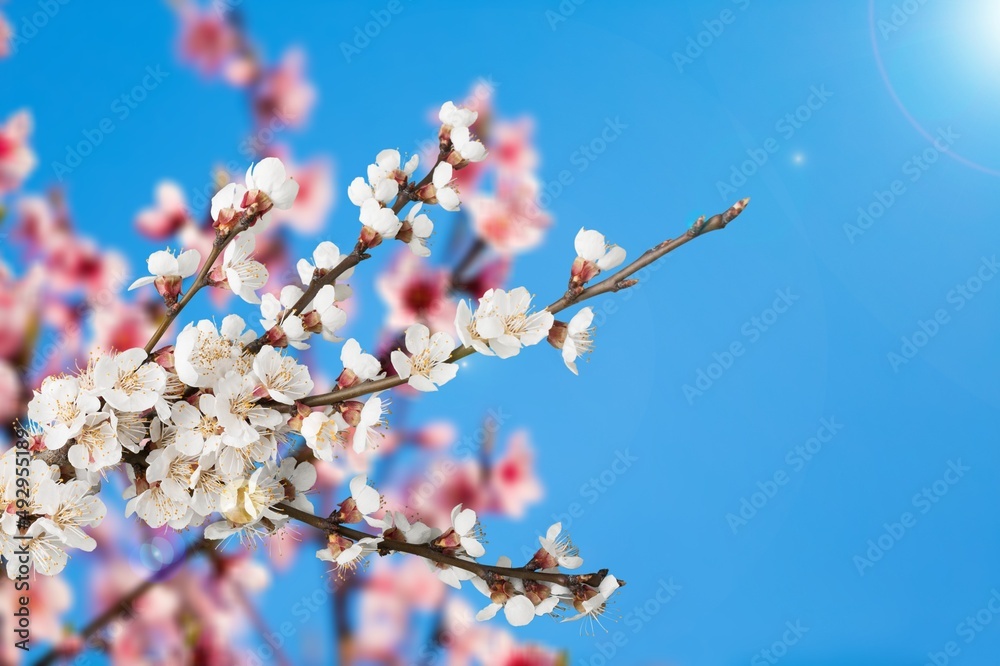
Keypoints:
(217, 248)
(616, 282)
(387, 546)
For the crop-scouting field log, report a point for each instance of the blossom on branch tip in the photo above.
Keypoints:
(167, 271)
(268, 177)
(593, 256)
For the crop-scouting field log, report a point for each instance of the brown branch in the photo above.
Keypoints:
(616, 282)
(359, 254)
(388, 546)
(202, 279)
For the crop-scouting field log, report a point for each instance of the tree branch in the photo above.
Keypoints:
(202, 279)
(388, 546)
(616, 282)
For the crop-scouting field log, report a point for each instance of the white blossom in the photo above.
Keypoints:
(164, 263)
(502, 324)
(364, 366)
(77, 508)
(243, 273)
(579, 340)
(456, 116)
(269, 177)
(380, 220)
(560, 549)
(366, 432)
(61, 408)
(127, 382)
(326, 257)
(323, 433)
(204, 354)
(96, 447)
(470, 149)
(465, 524)
(426, 367)
(446, 193)
(282, 377)
(246, 501)
(421, 228)
(594, 605)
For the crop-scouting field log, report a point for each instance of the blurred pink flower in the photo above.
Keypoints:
(284, 94)
(437, 435)
(5, 34)
(414, 291)
(512, 149)
(512, 477)
(120, 326)
(445, 485)
(11, 392)
(18, 302)
(315, 198)
(39, 223)
(17, 159)
(206, 39)
(511, 221)
(167, 216)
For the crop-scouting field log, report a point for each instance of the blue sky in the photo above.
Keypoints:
(865, 239)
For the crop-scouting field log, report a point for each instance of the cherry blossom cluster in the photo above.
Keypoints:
(207, 429)
(453, 554)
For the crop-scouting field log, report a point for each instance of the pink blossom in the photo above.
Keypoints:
(166, 217)
(11, 392)
(39, 222)
(5, 34)
(415, 292)
(17, 159)
(121, 326)
(512, 477)
(17, 307)
(511, 222)
(511, 148)
(284, 93)
(315, 198)
(206, 39)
